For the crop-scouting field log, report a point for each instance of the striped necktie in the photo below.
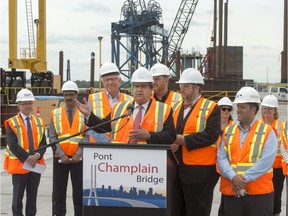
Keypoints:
(30, 136)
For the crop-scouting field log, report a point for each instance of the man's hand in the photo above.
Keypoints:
(83, 108)
(140, 134)
(180, 140)
(174, 147)
(32, 159)
(65, 159)
(75, 159)
(239, 182)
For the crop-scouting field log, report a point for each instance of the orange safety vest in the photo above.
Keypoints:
(284, 140)
(11, 163)
(101, 106)
(278, 159)
(63, 129)
(196, 123)
(172, 99)
(241, 159)
(153, 120)
(219, 141)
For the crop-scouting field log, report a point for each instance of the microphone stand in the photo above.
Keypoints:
(76, 134)
(53, 146)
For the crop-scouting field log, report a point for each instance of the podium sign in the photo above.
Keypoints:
(124, 178)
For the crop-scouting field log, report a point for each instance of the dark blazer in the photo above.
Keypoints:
(16, 149)
(166, 136)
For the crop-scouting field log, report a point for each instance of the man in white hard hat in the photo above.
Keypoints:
(101, 103)
(66, 121)
(146, 124)
(245, 158)
(270, 115)
(197, 123)
(25, 133)
(161, 92)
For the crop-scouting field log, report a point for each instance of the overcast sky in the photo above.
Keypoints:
(74, 26)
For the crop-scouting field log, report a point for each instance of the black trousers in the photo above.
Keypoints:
(249, 205)
(193, 199)
(61, 175)
(30, 183)
(278, 181)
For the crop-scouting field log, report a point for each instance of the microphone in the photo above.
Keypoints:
(130, 109)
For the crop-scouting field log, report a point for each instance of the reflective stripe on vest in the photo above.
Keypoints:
(160, 110)
(99, 107)
(196, 123)
(201, 123)
(256, 145)
(63, 129)
(176, 97)
(97, 104)
(284, 140)
(230, 131)
(243, 157)
(153, 120)
(16, 124)
(120, 108)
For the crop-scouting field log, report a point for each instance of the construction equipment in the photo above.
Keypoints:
(179, 29)
(145, 35)
(32, 58)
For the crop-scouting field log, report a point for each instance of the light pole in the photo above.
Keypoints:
(100, 58)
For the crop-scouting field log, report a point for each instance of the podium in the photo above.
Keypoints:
(124, 180)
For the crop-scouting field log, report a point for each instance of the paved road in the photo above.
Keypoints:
(44, 204)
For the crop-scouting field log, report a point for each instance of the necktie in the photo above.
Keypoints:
(138, 118)
(137, 122)
(187, 104)
(70, 117)
(30, 136)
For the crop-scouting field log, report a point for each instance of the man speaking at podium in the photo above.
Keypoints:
(151, 121)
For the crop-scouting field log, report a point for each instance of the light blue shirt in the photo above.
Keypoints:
(261, 167)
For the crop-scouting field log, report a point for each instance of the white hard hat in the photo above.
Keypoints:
(191, 75)
(107, 68)
(142, 75)
(225, 101)
(270, 101)
(24, 95)
(159, 69)
(247, 95)
(69, 86)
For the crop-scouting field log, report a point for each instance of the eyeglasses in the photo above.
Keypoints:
(112, 79)
(226, 109)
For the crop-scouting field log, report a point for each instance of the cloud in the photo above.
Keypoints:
(94, 7)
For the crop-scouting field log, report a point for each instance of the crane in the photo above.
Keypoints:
(179, 29)
(34, 57)
(146, 36)
(143, 32)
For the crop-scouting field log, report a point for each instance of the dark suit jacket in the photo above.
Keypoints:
(166, 136)
(199, 173)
